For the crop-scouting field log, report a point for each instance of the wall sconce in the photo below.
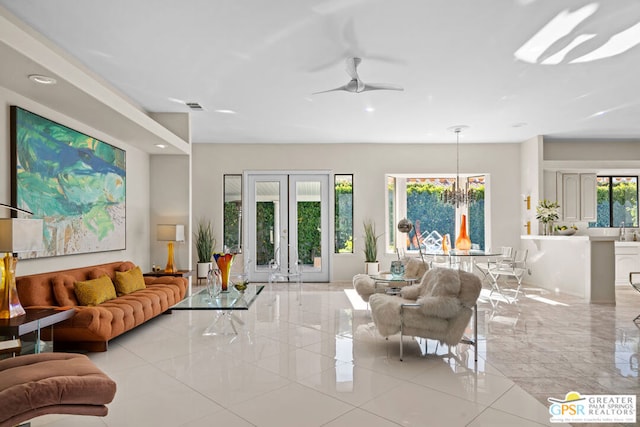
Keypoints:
(527, 202)
(170, 233)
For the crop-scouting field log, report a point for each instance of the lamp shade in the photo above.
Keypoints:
(20, 235)
(170, 232)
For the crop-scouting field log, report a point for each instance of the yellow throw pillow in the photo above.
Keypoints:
(129, 281)
(94, 292)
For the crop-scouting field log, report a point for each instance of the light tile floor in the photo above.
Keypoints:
(321, 363)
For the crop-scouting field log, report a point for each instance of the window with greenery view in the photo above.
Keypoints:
(232, 216)
(343, 186)
(423, 206)
(617, 201)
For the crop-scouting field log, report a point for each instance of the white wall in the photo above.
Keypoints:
(369, 163)
(531, 183)
(170, 205)
(137, 192)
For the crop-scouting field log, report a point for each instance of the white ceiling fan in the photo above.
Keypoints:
(355, 85)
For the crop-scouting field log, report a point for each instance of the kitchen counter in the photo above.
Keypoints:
(621, 243)
(579, 265)
(574, 237)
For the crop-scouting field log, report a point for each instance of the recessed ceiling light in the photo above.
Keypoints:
(223, 111)
(519, 125)
(369, 109)
(43, 80)
(161, 145)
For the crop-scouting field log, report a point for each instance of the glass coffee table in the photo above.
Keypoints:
(388, 281)
(224, 304)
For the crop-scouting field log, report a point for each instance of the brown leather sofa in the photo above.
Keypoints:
(92, 327)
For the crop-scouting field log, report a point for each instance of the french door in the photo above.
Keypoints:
(287, 222)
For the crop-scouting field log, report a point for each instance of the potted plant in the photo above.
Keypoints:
(205, 243)
(371, 248)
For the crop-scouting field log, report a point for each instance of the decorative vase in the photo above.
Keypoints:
(463, 242)
(397, 269)
(549, 227)
(446, 244)
(214, 281)
(224, 262)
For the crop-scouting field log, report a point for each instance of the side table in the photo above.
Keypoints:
(161, 273)
(32, 322)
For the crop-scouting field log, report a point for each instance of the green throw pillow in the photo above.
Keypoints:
(94, 292)
(129, 281)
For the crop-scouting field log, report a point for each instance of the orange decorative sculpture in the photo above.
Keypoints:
(463, 242)
(224, 262)
(446, 244)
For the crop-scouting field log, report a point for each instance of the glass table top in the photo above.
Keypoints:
(388, 277)
(471, 252)
(231, 300)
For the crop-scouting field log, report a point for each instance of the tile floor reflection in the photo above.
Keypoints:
(322, 363)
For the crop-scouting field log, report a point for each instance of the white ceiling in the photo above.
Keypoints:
(460, 62)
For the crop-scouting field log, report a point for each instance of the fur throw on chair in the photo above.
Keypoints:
(414, 267)
(446, 298)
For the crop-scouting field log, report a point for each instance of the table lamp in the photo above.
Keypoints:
(170, 233)
(16, 235)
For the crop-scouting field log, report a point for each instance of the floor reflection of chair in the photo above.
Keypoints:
(505, 320)
(509, 269)
(286, 273)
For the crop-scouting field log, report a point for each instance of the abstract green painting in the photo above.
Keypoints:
(75, 183)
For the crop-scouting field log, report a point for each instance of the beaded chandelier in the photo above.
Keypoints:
(457, 195)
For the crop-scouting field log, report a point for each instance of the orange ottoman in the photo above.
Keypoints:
(52, 383)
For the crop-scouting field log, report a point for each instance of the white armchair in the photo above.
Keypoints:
(439, 308)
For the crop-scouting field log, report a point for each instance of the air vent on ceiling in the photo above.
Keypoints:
(194, 106)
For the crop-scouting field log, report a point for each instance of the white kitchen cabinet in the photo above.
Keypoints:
(627, 260)
(579, 197)
(588, 197)
(570, 203)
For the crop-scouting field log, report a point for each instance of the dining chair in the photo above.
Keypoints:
(515, 268)
(505, 254)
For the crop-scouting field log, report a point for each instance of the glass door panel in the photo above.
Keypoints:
(287, 221)
(266, 216)
(309, 224)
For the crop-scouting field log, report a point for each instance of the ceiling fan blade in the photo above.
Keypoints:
(344, 87)
(381, 86)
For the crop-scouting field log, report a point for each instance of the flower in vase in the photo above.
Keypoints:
(547, 211)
